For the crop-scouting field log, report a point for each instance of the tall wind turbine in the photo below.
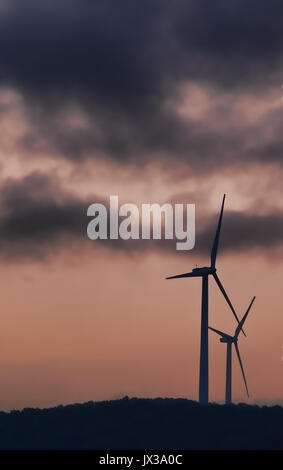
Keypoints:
(204, 273)
(229, 340)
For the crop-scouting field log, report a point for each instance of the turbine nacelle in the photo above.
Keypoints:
(204, 270)
(228, 340)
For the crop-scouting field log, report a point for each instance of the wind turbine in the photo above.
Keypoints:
(204, 273)
(229, 340)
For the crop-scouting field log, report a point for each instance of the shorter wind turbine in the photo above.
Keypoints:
(229, 340)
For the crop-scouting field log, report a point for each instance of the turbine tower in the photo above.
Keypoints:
(204, 273)
(229, 340)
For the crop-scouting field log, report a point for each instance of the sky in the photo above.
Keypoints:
(153, 101)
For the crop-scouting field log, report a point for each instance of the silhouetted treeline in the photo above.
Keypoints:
(143, 424)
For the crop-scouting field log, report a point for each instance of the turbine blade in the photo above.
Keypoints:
(217, 235)
(241, 365)
(220, 333)
(241, 324)
(179, 276)
(226, 298)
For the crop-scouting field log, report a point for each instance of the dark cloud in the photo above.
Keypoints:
(38, 219)
(120, 62)
(245, 231)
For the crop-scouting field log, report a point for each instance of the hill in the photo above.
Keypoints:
(127, 424)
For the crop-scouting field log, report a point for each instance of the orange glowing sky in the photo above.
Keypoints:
(95, 324)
